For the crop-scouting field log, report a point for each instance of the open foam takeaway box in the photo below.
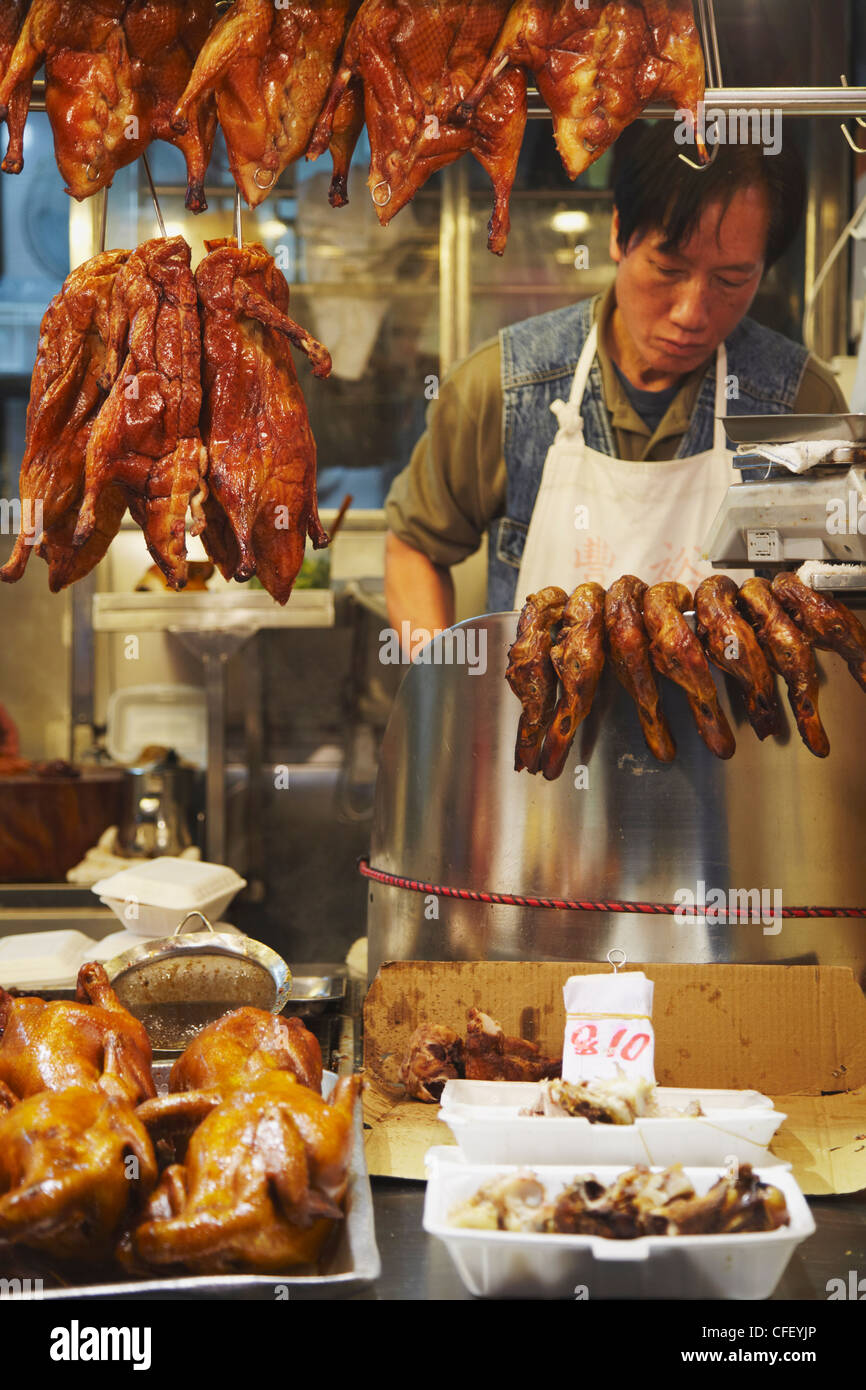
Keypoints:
(795, 1032)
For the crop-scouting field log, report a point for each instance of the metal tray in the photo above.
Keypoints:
(352, 1264)
(315, 989)
(791, 429)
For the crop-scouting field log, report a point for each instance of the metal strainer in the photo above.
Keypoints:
(178, 984)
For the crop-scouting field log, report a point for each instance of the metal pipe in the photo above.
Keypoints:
(790, 101)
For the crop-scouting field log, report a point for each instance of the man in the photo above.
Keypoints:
(586, 440)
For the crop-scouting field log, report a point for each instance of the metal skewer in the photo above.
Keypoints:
(239, 226)
(157, 209)
(103, 217)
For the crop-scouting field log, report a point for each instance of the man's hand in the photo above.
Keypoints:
(416, 590)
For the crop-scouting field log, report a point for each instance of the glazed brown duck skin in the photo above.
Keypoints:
(164, 38)
(734, 648)
(417, 63)
(66, 1187)
(92, 1041)
(12, 13)
(826, 622)
(789, 652)
(596, 65)
(578, 659)
(244, 1044)
(678, 654)
(97, 115)
(490, 1055)
(66, 395)
(263, 1179)
(146, 437)
(262, 503)
(628, 646)
(531, 675)
(270, 67)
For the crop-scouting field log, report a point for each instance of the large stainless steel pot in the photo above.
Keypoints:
(451, 810)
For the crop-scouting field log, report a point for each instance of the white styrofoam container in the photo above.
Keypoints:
(43, 959)
(171, 716)
(152, 898)
(485, 1119)
(507, 1264)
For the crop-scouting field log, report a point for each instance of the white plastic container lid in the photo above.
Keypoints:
(43, 959)
(170, 716)
(182, 884)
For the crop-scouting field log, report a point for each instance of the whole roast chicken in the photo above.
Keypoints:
(75, 1166)
(242, 1045)
(92, 1041)
(261, 502)
(270, 67)
(262, 1181)
(417, 63)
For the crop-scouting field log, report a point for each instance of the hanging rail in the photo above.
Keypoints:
(791, 101)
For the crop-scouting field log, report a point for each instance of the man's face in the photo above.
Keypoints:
(677, 306)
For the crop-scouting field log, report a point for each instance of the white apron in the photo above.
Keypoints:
(598, 517)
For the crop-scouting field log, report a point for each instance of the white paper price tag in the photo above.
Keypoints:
(608, 1027)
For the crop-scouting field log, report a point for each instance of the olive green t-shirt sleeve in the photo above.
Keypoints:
(455, 483)
(820, 392)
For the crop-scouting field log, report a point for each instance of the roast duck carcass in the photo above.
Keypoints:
(437, 1054)
(418, 62)
(261, 502)
(270, 67)
(596, 64)
(114, 72)
(66, 394)
(749, 633)
(146, 436)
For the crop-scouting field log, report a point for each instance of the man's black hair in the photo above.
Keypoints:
(655, 190)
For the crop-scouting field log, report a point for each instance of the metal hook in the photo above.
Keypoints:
(239, 226)
(713, 64)
(844, 129)
(381, 202)
(269, 175)
(157, 209)
(91, 173)
(617, 964)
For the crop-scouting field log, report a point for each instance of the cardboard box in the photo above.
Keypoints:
(797, 1033)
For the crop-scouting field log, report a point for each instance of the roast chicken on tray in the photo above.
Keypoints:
(255, 1163)
(749, 633)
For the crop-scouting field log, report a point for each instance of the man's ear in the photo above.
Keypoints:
(615, 250)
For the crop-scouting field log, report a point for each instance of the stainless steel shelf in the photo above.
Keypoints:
(243, 613)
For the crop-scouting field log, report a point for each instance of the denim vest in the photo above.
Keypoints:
(539, 359)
